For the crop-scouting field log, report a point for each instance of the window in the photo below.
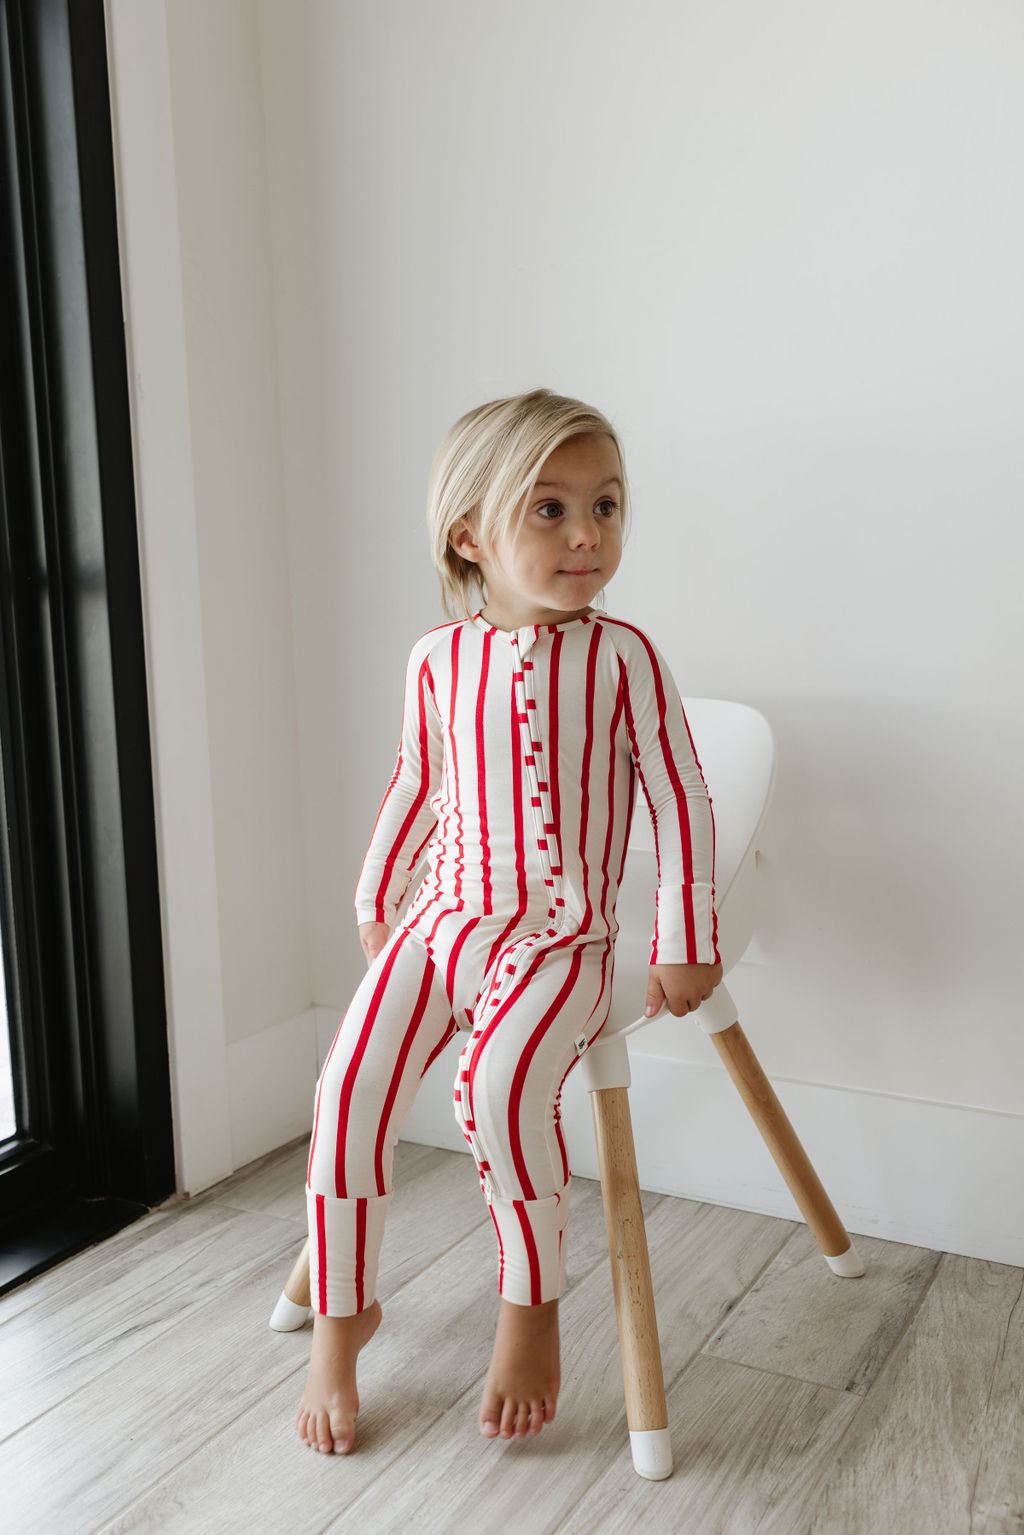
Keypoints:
(87, 1144)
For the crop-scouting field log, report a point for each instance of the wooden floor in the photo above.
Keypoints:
(142, 1389)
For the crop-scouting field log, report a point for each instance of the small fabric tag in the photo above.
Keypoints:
(581, 1043)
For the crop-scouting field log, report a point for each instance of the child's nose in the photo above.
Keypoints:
(587, 534)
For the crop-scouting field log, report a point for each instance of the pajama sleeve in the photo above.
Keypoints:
(685, 925)
(407, 816)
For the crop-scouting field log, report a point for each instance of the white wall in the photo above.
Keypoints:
(780, 247)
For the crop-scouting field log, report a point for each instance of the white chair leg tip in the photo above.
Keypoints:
(652, 1453)
(288, 1317)
(847, 1264)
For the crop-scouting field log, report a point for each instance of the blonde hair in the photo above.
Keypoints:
(485, 470)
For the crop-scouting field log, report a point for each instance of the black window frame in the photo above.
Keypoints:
(79, 890)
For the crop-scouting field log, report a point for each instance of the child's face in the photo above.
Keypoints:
(569, 544)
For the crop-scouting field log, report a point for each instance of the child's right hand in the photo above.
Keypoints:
(373, 936)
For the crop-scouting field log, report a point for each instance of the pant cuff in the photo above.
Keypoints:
(532, 1247)
(345, 1237)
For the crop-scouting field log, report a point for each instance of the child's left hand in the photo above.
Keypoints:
(683, 987)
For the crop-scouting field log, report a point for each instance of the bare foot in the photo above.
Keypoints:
(522, 1383)
(326, 1418)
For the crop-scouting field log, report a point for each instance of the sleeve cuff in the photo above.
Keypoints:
(686, 929)
(372, 914)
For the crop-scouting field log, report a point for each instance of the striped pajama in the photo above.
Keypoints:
(517, 769)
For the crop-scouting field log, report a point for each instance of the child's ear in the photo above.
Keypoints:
(462, 540)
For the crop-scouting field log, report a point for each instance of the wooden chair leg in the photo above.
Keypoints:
(646, 1412)
(790, 1157)
(293, 1306)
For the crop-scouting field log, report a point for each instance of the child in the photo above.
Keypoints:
(526, 725)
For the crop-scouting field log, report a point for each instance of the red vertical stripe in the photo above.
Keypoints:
(321, 1255)
(495, 1017)
(316, 1120)
(643, 783)
(595, 641)
(360, 1250)
(460, 849)
(352, 1070)
(515, 1096)
(501, 1248)
(517, 797)
(531, 1251)
(481, 775)
(516, 749)
(552, 756)
(669, 759)
(421, 793)
(454, 952)
(610, 814)
(396, 1075)
(448, 1034)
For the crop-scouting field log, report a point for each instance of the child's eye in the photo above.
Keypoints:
(612, 506)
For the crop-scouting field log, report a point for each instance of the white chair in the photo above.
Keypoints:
(736, 751)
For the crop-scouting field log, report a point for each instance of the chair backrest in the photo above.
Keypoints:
(735, 747)
(736, 751)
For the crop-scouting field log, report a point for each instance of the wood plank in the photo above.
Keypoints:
(72, 1273)
(802, 1320)
(272, 1185)
(79, 1464)
(703, 1258)
(429, 1215)
(44, 1289)
(748, 1448)
(997, 1506)
(51, 1351)
(83, 1459)
(250, 1471)
(123, 1306)
(921, 1455)
(183, 1420)
(432, 1349)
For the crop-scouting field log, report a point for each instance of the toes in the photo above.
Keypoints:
(512, 1418)
(490, 1414)
(343, 1431)
(326, 1432)
(508, 1418)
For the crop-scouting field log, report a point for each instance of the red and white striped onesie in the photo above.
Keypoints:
(517, 765)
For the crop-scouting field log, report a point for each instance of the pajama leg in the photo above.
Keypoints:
(397, 1022)
(533, 1024)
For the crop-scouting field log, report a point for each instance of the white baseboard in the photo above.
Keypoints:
(928, 1174)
